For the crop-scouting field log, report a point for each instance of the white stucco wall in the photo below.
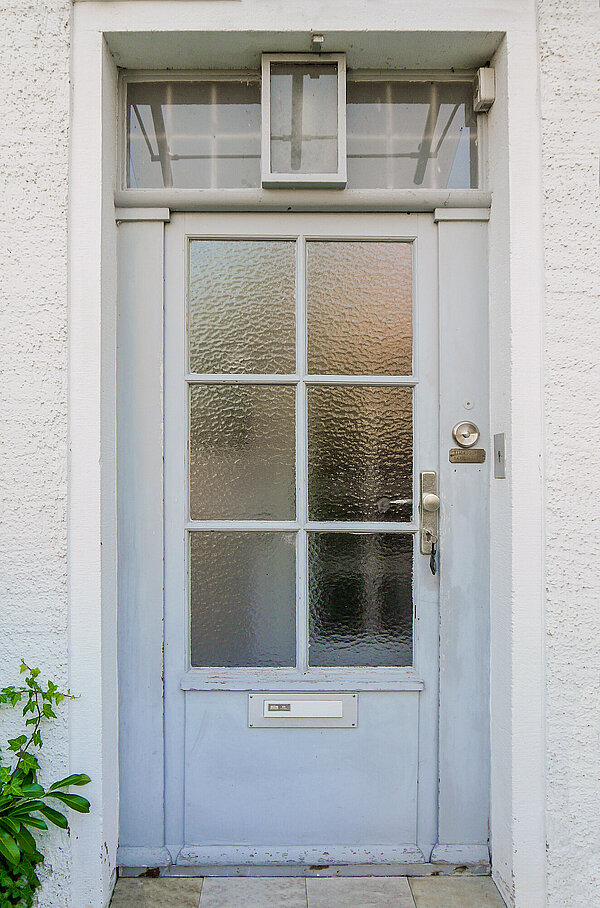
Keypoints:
(34, 118)
(569, 35)
(34, 132)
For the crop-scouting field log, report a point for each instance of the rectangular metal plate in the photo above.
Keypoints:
(281, 710)
(466, 455)
(499, 456)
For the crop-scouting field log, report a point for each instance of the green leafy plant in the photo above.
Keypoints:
(23, 801)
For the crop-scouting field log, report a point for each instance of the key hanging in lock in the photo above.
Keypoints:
(432, 558)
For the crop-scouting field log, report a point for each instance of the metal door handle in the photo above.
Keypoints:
(430, 502)
(429, 506)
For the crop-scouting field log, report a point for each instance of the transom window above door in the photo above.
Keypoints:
(303, 122)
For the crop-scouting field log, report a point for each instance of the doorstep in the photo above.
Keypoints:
(300, 892)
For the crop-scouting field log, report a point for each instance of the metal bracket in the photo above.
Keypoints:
(429, 504)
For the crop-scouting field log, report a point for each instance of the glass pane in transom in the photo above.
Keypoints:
(193, 134)
(304, 118)
(411, 134)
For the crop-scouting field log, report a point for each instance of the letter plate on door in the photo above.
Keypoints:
(275, 710)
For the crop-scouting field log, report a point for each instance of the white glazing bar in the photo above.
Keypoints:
(408, 381)
(279, 526)
(360, 527)
(222, 378)
(218, 378)
(301, 464)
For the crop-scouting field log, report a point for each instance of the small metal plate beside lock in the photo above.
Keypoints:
(500, 456)
(466, 455)
(283, 710)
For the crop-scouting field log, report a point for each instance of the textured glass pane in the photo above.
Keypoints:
(242, 306)
(360, 592)
(359, 453)
(242, 449)
(193, 135)
(304, 105)
(359, 298)
(403, 134)
(243, 599)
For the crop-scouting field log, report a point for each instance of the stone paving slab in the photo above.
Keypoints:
(160, 893)
(455, 892)
(253, 892)
(359, 892)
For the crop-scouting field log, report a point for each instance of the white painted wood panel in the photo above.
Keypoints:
(140, 537)
(464, 546)
(300, 787)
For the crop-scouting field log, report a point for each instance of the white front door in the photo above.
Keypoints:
(302, 628)
(300, 405)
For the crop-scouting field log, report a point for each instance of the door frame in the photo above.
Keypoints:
(462, 833)
(516, 309)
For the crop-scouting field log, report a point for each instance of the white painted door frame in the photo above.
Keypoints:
(464, 760)
(516, 306)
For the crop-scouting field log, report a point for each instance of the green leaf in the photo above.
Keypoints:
(9, 848)
(26, 808)
(75, 802)
(9, 825)
(32, 791)
(26, 841)
(75, 779)
(59, 819)
(36, 822)
(15, 744)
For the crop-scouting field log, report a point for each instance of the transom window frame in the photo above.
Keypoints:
(172, 195)
(270, 179)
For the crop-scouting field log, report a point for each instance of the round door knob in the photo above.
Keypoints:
(466, 434)
(431, 502)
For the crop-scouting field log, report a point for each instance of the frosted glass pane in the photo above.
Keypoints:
(242, 449)
(360, 593)
(359, 298)
(193, 135)
(242, 306)
(402, 134)
(359, 453)
(304, 118)
(243, 599)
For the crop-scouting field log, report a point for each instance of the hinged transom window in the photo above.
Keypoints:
(304, 120)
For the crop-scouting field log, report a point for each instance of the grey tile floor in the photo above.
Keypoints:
(298, 892)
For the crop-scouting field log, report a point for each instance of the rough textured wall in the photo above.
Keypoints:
(34, 120)
(570, 50)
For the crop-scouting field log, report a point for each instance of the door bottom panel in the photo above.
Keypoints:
(291, 790)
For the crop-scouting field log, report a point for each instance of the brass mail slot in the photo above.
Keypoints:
(466, 455)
